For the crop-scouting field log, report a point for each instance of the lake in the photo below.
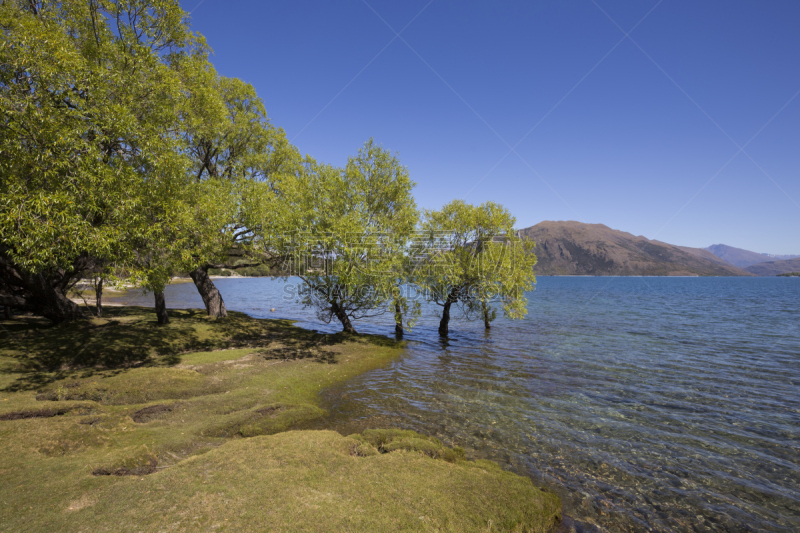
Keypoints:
(648, 404)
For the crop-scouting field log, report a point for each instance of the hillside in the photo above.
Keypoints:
(773, 268)
(743, 258)
(575, 248)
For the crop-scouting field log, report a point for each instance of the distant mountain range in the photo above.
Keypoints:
(773, 268)
(575, 248)
(744, 258)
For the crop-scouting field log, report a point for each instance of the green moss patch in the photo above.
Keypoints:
(390, 440)
(196, 440)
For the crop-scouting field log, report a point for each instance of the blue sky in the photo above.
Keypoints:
(641, 133)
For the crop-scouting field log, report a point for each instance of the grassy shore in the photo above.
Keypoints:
(118, 424)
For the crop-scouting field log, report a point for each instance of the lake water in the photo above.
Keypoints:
(648, 404)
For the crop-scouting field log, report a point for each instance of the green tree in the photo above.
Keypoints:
(406, 310)
(160, 250)
(238, 160)
(353, 224)
(473, 256)
(90, 94)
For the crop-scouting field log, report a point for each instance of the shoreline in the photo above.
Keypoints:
(220, 408)
(323, 422)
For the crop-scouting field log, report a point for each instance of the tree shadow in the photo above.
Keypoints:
(297, 343)
(292, 353)
(43, 353)
(129, 337)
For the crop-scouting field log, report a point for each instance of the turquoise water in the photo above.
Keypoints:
(649, 404)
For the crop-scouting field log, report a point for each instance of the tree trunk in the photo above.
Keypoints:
(485, 309)
(215, 306)
(44, 293)
(161, 308)
(444, 328)
(7, 312)
(98, 297)
(443, 324)
(398, 318)
(45, 300)
(347, 326)
(51, 302)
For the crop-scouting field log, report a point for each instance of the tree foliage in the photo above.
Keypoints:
(238, 159)
(88, 125)
(89, 152)
(472, 256)
(353, 223)
(122, 150)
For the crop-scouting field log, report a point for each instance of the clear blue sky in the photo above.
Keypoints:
(624, 131)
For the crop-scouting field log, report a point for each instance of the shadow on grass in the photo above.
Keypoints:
(129, 337)
(286, 354)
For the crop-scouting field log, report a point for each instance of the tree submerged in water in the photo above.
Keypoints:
(474, 258)
(355, 222)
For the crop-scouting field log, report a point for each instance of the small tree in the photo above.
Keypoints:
(473, 257)
(406, 311)
(159, 252)
(353, 224)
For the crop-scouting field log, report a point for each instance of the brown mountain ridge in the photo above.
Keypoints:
(578, 249)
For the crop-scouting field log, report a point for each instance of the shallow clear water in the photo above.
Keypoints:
(663, 404)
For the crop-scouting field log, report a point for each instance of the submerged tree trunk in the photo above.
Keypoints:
(161, 308)
(398, 318)
(98, 297)
(485, 311)
(215, 306)
(347, 326)
(444, 328)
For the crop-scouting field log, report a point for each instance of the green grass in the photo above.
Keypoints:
(196, 413)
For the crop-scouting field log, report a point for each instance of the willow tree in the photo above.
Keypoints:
(474, 258)
(90, 133)
(407, 310)
(160, 249)
(237, 160)
(353, 223)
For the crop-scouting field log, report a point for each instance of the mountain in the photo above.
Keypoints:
(743, 258)
(575, 248)
(773, 268)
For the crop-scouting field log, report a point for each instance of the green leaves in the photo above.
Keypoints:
(352, 229)
(473, 255)
(238, 161)
(87, 154)
(121, 143)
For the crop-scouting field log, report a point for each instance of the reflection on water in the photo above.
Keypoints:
(664, 404)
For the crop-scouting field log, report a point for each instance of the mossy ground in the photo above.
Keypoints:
(121, 425)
